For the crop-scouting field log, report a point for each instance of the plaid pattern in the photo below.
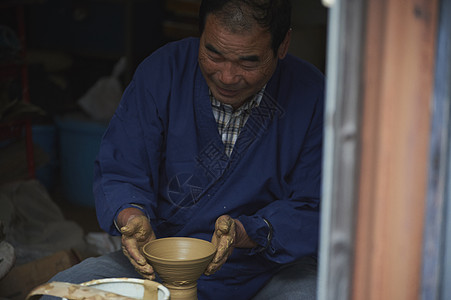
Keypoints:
(230, 122)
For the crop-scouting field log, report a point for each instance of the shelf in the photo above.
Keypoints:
(182, 19)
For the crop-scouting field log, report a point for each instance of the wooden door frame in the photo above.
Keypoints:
(376, 157)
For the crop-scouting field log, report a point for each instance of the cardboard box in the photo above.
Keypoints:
(22, 279)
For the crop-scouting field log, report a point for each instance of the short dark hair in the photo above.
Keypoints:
(274, 15)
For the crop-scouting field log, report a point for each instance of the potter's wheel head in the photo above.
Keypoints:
(179, 260)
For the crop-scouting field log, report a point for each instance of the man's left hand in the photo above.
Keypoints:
(229, 233)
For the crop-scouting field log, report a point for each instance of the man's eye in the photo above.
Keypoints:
(249, 65)
(215, 58)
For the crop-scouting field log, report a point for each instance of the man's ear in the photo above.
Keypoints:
(283, 48)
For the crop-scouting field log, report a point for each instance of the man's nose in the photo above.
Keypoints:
(229, 73)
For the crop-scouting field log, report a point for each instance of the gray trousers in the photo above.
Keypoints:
(294, 281)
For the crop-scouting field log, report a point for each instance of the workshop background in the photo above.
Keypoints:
(63, 67)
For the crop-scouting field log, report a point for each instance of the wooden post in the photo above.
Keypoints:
(398, 81)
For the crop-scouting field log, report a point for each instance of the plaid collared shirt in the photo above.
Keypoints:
(230, 121)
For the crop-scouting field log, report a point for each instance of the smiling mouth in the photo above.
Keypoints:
(227, 92)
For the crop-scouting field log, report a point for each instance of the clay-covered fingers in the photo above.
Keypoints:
(135, 234)
(139, 228)
(145, 270)
(224, 250)
(223, 238)
(131, 249)
(224, 225)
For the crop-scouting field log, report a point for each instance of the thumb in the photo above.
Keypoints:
(224, 224)
(134, 225)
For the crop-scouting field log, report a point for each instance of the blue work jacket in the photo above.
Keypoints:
(162, 151)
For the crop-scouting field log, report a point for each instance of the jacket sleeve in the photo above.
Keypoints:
(288, 228)
(128, 158)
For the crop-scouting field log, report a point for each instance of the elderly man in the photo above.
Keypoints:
(218, 138)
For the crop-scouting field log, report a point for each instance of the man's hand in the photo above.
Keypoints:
(229, 233)
(135, 234)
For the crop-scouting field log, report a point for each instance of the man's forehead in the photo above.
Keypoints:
(216, 30)
(242, 56)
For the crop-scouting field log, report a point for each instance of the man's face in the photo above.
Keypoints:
(235, 65)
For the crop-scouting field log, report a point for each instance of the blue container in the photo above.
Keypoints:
(45, 137)
(79, 142)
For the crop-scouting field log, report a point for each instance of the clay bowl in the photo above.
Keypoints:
(179, 261)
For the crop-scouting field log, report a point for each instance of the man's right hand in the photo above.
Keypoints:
(136, 232)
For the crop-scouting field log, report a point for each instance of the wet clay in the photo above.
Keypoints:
(180, 261)
(150, 290)
(73, 292)
(103, 289)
